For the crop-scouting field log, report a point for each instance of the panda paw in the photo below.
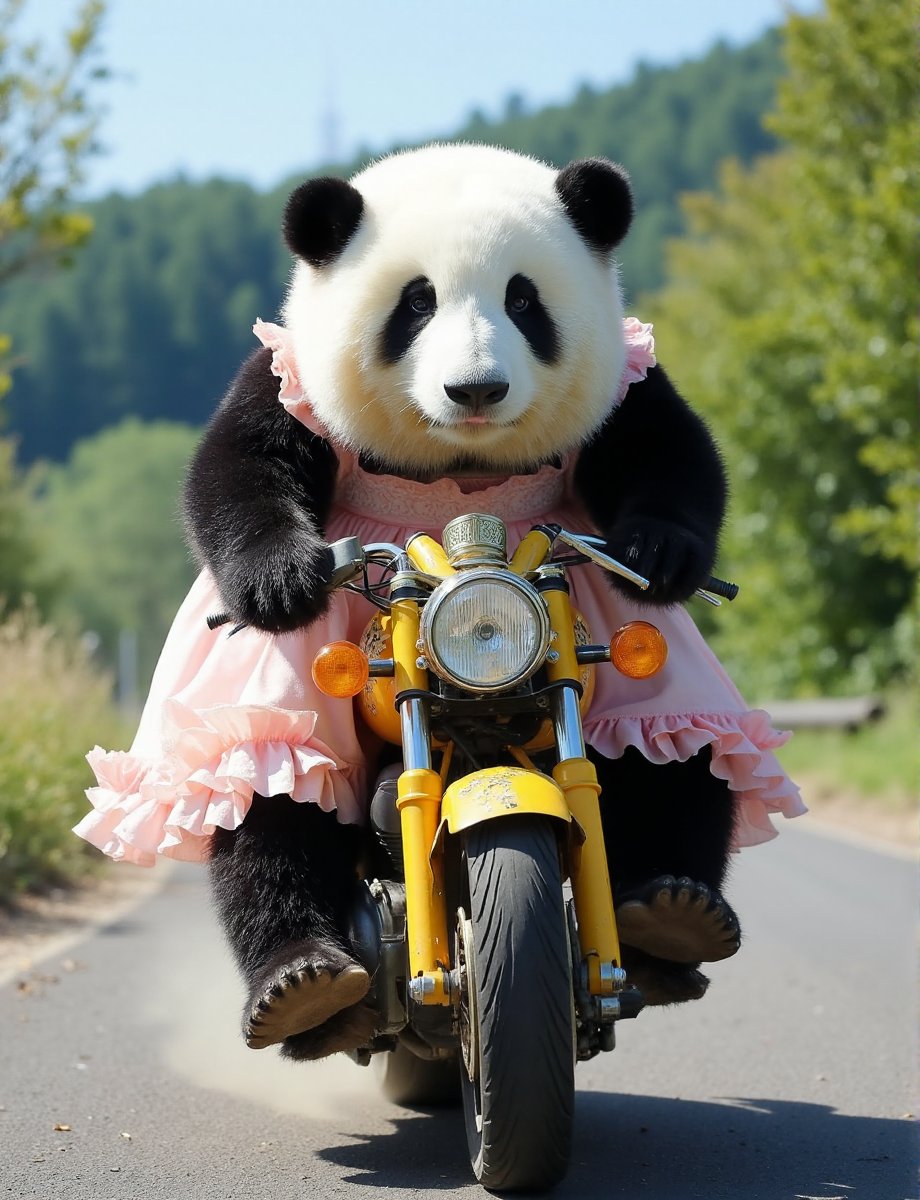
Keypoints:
(673, 558)
(278, 587)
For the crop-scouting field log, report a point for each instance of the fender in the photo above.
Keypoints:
(500, 792)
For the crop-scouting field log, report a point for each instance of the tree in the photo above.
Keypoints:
(46, 131)
(850, 108)
(790, 317)
(114, 531)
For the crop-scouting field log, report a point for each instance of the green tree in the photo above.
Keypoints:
(46, 131)
(851, 108)
(790, 322)
(114, 531)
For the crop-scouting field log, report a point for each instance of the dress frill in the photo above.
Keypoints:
(741, 746)
(218, 759)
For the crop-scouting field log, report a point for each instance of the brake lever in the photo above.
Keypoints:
(585, 543)
(587, 546)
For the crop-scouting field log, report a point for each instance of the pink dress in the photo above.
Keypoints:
(230, 717)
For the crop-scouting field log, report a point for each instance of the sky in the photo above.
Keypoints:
(262, 89)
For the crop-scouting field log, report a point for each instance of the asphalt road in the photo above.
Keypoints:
(791, 1080)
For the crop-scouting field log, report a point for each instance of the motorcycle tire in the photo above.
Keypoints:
(518, 1065)
(415, 1082)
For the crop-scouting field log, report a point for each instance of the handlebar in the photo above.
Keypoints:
(348, 558)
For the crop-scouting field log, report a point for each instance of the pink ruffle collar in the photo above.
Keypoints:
(640, 356)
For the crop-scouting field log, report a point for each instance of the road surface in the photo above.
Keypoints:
(792, 1079)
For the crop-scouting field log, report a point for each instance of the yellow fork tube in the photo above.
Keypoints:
(429, 556)
(597, 927)
(419, 803)
(532, 552)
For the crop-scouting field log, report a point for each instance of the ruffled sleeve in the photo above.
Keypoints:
(216, 760)
(741, 745)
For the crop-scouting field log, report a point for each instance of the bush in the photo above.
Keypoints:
(53, 707)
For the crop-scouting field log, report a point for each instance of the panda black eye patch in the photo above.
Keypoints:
(416, 306)
(527, 311)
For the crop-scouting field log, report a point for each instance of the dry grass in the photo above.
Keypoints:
(53, 707)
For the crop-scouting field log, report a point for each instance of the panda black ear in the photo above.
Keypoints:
(320, 217)
(598, 199)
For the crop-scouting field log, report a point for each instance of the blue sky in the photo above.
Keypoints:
(245, 88)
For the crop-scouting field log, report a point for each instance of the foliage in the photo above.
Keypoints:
(47, 127)
(52, 707)
(46, 132)
(157, 312)
(21, 565)
(850, 108)
(114, 532)
(877, 763)
(790, 320)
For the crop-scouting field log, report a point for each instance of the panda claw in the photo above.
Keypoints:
(301, 996)
(678, 920)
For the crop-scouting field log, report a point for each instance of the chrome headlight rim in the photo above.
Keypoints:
(468, 578)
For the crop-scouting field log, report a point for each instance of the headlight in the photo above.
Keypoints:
(485, 630)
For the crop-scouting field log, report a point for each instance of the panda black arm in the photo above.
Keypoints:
(654, 484)
(257, 495)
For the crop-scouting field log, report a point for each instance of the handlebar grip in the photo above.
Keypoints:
(721, 587)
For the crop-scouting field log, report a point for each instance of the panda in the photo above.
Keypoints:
(453, 339)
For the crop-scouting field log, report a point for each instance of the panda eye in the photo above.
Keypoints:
(420, 304)
(520, 304)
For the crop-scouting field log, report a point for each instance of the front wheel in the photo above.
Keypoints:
(517, 1017)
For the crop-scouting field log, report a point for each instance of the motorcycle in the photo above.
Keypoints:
(488, 927)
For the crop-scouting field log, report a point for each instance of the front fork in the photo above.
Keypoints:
(419, 796)
(418, 799)
(576, 776)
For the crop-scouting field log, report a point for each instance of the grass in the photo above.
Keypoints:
(878, 764)
(53, 708)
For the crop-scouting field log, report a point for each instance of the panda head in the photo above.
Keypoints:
(459, 305)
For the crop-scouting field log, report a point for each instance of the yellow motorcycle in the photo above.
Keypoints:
(478, 669)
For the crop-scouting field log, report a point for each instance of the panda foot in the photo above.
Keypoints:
(313, 982)
(679, 920)
(347, 1030)
(663, 982)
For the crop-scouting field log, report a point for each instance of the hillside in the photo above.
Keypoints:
(154, 316)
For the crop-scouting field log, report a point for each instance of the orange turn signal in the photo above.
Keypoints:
(340, 669)
(638, 650)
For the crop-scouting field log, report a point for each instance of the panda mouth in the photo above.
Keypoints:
(471, 421)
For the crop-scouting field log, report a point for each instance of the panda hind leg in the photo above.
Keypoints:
(668, 830)
(282, 883)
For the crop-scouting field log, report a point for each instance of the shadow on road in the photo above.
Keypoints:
(668, 1149)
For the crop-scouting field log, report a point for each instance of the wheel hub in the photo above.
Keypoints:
(469, 1014)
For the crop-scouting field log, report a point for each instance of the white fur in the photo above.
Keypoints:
(468, 218)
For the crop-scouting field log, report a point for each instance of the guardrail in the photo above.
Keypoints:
(840, 712)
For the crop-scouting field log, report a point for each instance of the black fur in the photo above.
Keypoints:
(320, 218)
(286, 875)
(416, 306)
(257, 497)
(654, 484)
(598, 199)
(526, 309)
(257, 494)
(664, 819)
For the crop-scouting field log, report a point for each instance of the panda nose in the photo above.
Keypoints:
(477, 395)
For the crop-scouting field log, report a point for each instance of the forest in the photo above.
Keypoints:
(777, 191)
